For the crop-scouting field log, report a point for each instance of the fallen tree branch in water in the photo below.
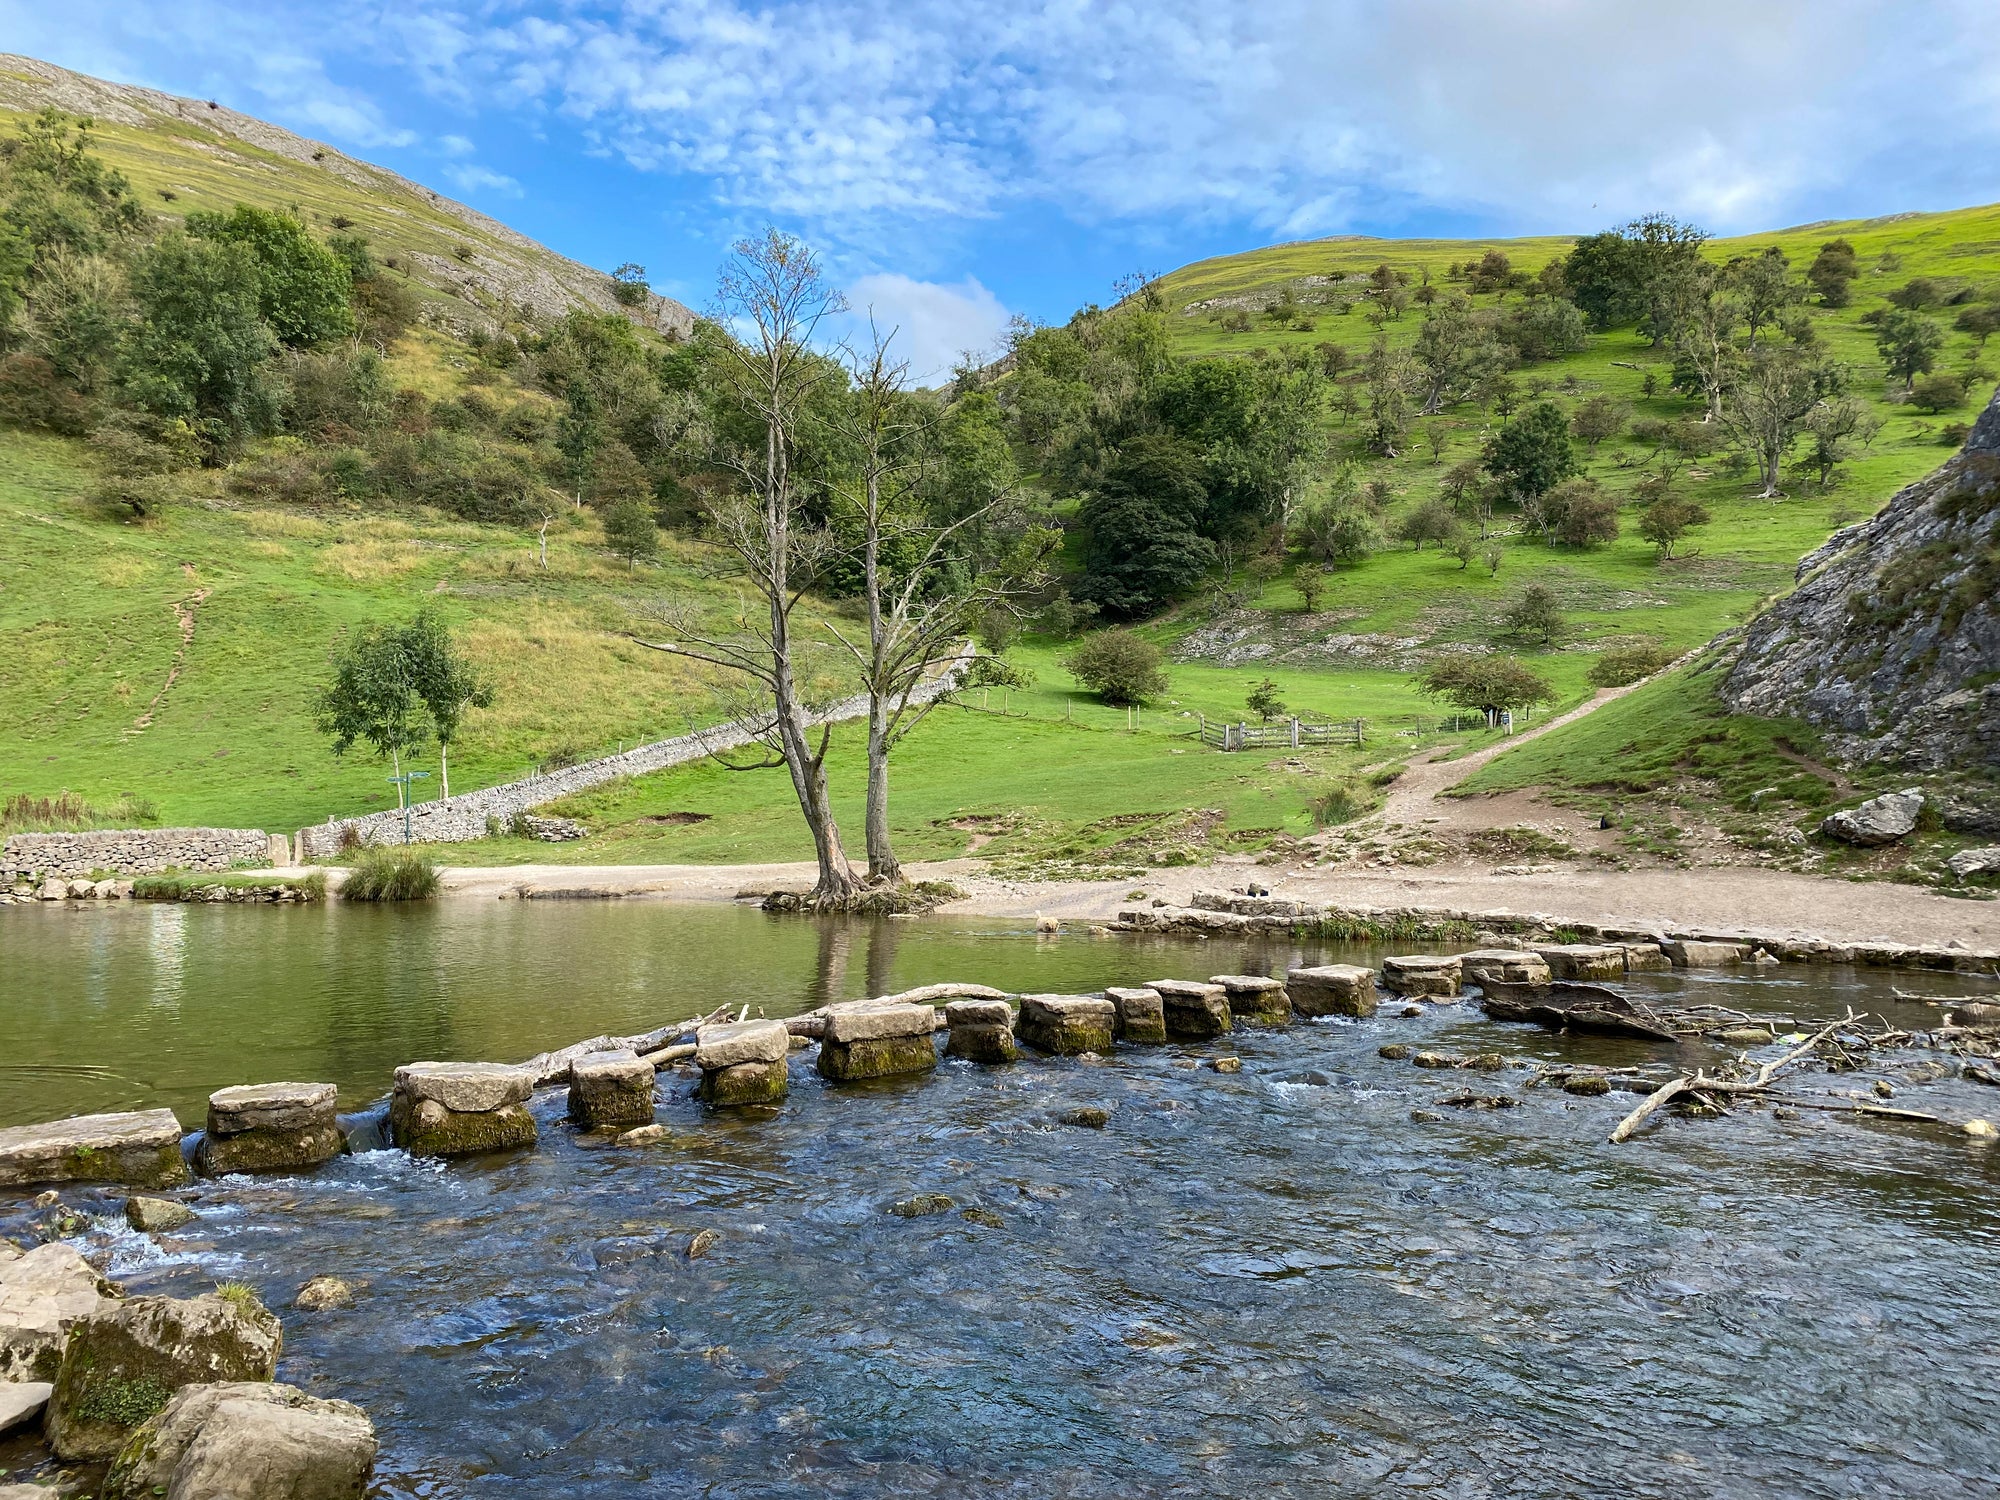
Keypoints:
(1653, 1101)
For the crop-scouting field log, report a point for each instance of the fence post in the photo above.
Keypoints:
(1295, 731)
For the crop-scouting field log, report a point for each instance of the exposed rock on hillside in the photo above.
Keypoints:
(1891, 642)
(237, 155)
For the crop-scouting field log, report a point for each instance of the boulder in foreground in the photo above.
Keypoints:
(42, 1295)
(1878, 821)
(247, 1441)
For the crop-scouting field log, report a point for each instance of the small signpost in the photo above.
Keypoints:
(403, 784)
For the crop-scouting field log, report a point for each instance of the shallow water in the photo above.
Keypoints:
(1272, 1283)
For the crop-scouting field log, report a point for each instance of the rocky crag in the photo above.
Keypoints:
(1890, 645)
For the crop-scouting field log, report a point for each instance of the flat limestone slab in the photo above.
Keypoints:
(1255, 997)
(932, 994)
(877, 1020)
(724, 1045)
(42, 1294)
(142, 1147)
(1583, 960)
(1505, 965)
(466, 1087)
(1332, 990)
(978, 1013)
(22, 1401)
(1142, 1017)
(1694, 955)
(270, 1106)
(1193, 1011)
(1429, 974)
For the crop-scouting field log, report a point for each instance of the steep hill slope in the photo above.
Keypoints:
(186, 154)
(1891, 642)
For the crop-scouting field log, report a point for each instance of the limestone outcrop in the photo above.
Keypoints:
(1890, 645)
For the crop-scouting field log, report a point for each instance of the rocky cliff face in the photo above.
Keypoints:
(1891, 642)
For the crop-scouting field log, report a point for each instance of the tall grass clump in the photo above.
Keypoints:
(69, 813)
(395, 874)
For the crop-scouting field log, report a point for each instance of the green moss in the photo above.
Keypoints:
(877, 1057)
(121, 1403)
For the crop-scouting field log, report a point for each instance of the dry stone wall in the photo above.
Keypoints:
(134, 851)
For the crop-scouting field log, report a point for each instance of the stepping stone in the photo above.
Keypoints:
(1584, 961)
(982, 1031)
(1503, 966)
(877, 1039)
(141, 1147)
(1332, 990)
(1256, 997)
(1193, 1011)
(743, 1062)
(461, 1108)
(1065, 1025)
(1141, 1015)
(1695, 955)
(1646, 957)
(611, 1089)
(269, 1127)
(1434, 976)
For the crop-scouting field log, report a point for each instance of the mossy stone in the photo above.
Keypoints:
(877, 1057)
(1067, 1039)
(745, 1083)
(429, 1129)
(268, 1150)
(982, 1044)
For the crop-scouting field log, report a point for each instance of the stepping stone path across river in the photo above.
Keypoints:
(877, 1039)
(742, 1062)
(461, 1108)
(1141, 1015)
(1429, 975)
(269, 1127)
(982, 1031)
(1256, 998)
(1332, 990)
(1066, 1025)
(1194, 1011)
(142, 1147)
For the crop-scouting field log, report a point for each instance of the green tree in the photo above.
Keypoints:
(1833, 273)
(1118, 666)
(1432, 521)
(1145, 547)
(444, 680)
(1767, 401)
(631, 531)
(1981, 320)
(1536, 617)
(1603, 275)
(371, 697)
(1764, 287)
(1338, 528)
(1582, 514)
(1595, 419)
(1310, 580)
(1264, 702)
(303, 286)
(1668, 519)
(1532, 453)
(1491, 685)
(1909, 344)
(198, 349)
(1938, 392)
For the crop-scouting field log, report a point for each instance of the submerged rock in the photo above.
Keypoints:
(702, 1243)
(155, 1215)
(1587, 1085)
(1332, 990)
(324, 1294)
(984, 1217)
(1088, 1116)
(1226, 1064)
(247, 1441)
(269, 1127)
(142, 1147)
(922, 1206)
(43, 1294)
(122, 1364)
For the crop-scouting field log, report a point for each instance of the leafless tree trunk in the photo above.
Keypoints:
(773, 293)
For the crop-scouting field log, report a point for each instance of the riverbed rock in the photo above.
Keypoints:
(1878, 821)
(1256, 997)
(745, 1083)
(324, 1294)
(1435, 976)
(141, 1147)
(1086, 1116)
(981, 1031)
(877, 1039)
(1066, 1025)
(247, 1441)
(21, 1402)
(1194, 1012)
(1694, 955)
(612, 1089)
(1140, 1015)
(43, 1294)
(1332, 990)
(922, 1205)
(269, 1127)
(123, 1364)
(461, 1108)
(1583, 961)
(157, 1215)
(1504, 966)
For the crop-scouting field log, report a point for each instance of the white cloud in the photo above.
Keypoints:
(470, 177)
(932, 322)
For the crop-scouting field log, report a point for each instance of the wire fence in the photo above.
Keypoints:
(1294, 734)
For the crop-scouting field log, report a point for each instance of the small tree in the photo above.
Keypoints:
(1118, 666)
(372, 698)
(1536, 617)
(1596, 419)
(1431, 521)
(1264, 702)
(1622, 665)
(1584, 515)
(1938, 392)
(1909, 344)
(1981, 320)
(631, 531)
(1668, 519)
(1833, 272)
(1492, 685)
(446, 682)
(1310, 580)
(1532, 453)
(1492, 557)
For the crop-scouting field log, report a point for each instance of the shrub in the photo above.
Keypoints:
(1624, 664)
(32, 394)
(1339, 804)
(1118, 666)
(1264, 701)
(1536, 617)
(1485, 684)
(390, 874)
(1939, 392)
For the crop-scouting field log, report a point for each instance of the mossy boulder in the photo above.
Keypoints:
(124, 1363)
(877, 1057)
(140, 1147)
(1194, 1012)
(461, 1109)
(1256, 997)
(744, 1083)
(269, 1127)
(44, 1294)
(611, 1089)
(248, 1441)
(1066, 1025)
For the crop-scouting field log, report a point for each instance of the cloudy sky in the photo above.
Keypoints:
(961, 162)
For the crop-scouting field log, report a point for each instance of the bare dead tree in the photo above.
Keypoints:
(773, 294)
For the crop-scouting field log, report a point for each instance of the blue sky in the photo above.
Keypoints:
(960, 163)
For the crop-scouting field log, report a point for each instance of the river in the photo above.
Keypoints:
(1272, 1283)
